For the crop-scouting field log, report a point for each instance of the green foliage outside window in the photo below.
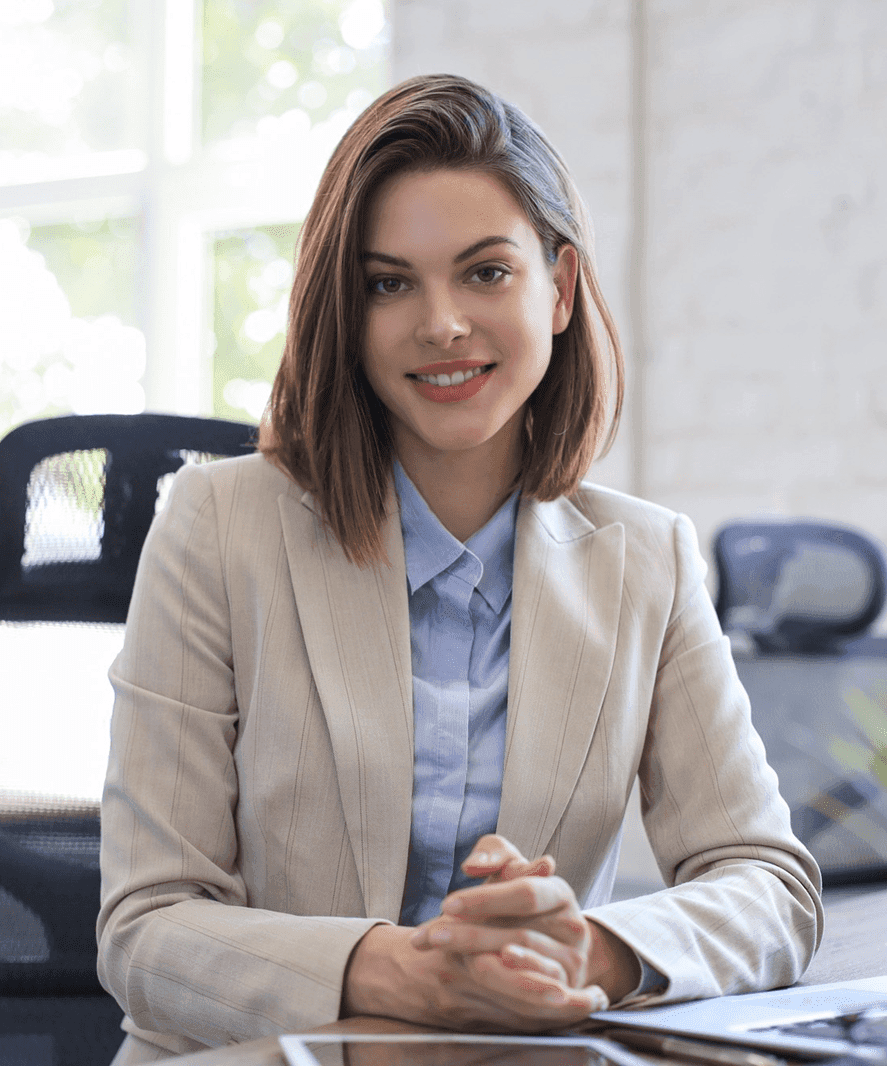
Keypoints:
(266, 58)
(870, 757)
(94, 262)
(69, 77)
(69, 307)
(253, 275)
(77, 293)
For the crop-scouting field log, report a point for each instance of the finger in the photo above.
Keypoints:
(525, 897)
(517, 957)
(491, 854)
(467, 939)
(541, 867)
(535, 996)
(421, 938)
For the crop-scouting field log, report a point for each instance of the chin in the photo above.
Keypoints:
(456, 442)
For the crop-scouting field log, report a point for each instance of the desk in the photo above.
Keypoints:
(854, 946)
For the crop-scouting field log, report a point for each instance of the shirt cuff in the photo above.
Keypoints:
(651, 980)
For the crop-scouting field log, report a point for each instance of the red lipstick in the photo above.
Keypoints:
(452, 393)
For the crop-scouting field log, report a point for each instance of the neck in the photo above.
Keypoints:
(463, 489)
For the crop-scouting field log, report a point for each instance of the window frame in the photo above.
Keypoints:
(184, 193)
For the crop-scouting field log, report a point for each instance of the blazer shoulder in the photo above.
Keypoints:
(239, 496)
(604, 506)
(237, 482)
(657, 539)
(250, 473)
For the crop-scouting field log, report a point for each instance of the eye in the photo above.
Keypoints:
(489, 275)
(384, 285)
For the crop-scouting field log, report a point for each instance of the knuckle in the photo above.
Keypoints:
(575, 929)
(525, 892)
(490, 841)
(524, 938)
(468, 936)
(483, 964)
(573, 958)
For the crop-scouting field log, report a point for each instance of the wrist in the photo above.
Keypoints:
(613, 965)
(367, 981)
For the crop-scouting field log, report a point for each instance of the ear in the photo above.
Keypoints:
(564, 274)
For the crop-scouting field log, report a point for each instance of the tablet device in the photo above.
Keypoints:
(783, 1021)
(449, 1049)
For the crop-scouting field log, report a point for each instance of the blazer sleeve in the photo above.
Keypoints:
(742, 911)
(180, 948)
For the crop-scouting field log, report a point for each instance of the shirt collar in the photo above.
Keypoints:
(429, 548)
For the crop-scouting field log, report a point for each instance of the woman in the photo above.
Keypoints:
(387, 684)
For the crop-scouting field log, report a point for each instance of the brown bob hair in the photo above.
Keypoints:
(324, 424)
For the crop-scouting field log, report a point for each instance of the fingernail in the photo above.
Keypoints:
(516, 950)
(452, 906)
(440, 936)
(555, 996)
(494, 857)
(599, 999)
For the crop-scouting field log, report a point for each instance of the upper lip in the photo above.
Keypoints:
(450, 368)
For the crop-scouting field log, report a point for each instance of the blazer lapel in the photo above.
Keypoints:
(356, 628)
(565, 614)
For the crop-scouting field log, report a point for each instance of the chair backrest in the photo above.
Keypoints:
(77, 495)
(798, 586)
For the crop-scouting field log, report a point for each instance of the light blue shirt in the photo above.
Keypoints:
(460, 636)
(460, 633)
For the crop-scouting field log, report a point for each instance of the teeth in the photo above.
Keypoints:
(458, 378)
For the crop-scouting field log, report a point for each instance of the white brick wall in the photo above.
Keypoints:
(767, 260)
(755, 159)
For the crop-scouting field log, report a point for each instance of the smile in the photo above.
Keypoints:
(451, 388)
(457, 378)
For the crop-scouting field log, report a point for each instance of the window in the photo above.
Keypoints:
(157, 160)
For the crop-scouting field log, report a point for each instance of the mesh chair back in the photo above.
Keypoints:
(798, 586)
(77, 495)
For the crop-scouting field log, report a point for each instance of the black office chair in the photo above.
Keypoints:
(798, 599)
(798, 586)
(77, 495)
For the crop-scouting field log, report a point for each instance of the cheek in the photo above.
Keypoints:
(374, 348)
(536, 341)
(536, 316)
(381, 333)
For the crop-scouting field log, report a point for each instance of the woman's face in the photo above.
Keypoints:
(458, 286)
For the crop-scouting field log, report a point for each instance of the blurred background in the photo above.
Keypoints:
(156, 160)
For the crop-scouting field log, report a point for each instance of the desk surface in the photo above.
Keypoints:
(854, 945)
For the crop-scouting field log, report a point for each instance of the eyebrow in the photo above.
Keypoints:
(478, 246)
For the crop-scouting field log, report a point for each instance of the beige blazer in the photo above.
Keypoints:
(256, 816)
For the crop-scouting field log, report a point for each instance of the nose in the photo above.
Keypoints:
(441, 321)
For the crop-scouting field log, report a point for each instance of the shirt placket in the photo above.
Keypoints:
(455, 629)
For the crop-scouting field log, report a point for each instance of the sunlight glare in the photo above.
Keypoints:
(249, 396)
(270, 34)
(282, 74)
(18, 12)
(361, 23)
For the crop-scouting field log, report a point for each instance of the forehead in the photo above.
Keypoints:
(444, 211)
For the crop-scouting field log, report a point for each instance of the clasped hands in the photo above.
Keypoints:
(514, 953)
